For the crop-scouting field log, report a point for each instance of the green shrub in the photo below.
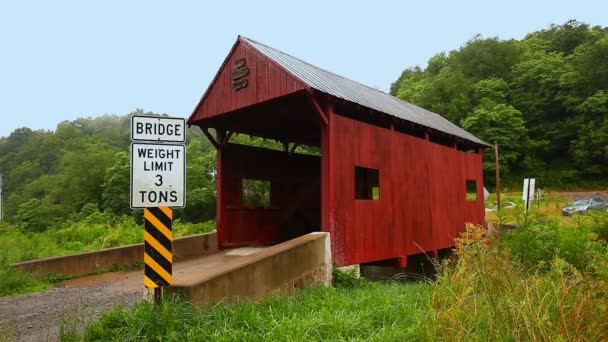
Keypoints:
(347, 278)
(536, 245)
(599, 225)
(14, 282)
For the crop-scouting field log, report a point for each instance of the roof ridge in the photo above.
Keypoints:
(317, 67)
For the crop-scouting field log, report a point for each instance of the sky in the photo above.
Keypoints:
(61, 60)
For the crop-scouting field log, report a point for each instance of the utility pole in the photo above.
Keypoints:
(497, 176)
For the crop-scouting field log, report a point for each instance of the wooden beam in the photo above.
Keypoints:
(318, 107)
(210, 137)
(227, 138)
(293, 148)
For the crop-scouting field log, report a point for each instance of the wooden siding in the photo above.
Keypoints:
(266, 80)
(422, 204)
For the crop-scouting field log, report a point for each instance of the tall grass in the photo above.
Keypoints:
(487, 295)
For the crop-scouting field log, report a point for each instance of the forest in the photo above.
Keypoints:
(83, 167)
(543, 99)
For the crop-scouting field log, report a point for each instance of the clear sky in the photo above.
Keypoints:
(60, 60)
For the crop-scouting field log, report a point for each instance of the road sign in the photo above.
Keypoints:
(158, 175)
(528, 191)
(158, 240)
(158, 128)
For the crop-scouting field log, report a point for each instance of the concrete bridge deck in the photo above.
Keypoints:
(185, 272)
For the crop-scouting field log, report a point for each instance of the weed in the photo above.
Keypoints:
(347, 278)
(57, 277)
(118, 267)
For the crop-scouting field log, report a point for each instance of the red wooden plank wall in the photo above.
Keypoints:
(295, 185)
(265, 80)
(422, 203)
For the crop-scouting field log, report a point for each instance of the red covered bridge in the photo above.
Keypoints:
(392, 179)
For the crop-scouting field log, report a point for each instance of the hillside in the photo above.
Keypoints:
(543, 99)
(82, 167)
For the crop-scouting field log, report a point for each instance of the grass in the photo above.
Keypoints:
(549, 206)
(370, 311)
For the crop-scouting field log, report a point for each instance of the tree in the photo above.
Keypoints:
(200, 180)
(565, 38)
(502, 124)
(482, 58)
(590, 149)
(590, 61)
(494, 89)
(82, 172)
(116, 185)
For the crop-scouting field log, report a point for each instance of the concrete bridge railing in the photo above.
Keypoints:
(297, 263)
(104, 260)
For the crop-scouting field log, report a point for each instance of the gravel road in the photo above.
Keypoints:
(38, 316)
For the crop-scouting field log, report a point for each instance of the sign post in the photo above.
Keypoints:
(158, 184)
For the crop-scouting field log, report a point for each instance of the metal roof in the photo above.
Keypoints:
(349, 90)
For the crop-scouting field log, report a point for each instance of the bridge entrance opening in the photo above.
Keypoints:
(268, 171)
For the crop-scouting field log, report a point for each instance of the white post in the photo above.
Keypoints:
(528, 189)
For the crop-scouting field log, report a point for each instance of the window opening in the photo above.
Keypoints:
(471, 190)
(256, 193)
(367, 183)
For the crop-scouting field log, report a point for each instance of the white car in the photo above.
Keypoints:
(503, 205)
(582, 205)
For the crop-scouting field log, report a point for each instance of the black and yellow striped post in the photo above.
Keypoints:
(158, 257)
